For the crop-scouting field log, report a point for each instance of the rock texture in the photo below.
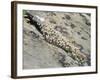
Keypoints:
(56, 39)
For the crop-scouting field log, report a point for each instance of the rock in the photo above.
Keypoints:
(43, 50)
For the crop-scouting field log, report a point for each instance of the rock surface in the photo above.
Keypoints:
(40, 53)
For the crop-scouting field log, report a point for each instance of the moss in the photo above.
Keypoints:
(68, 17)
(72, 25)
(24, 12)
(83, 38)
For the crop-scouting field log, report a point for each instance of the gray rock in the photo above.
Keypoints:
(39, 53)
